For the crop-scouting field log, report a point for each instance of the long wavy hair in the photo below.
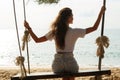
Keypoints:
(60, 26)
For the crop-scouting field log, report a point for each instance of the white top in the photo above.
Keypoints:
(71, 36)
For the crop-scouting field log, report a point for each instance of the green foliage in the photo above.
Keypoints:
(47, 1)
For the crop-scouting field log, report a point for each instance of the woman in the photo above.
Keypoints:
(65, 38)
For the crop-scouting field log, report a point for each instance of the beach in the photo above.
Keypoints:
(7, 73)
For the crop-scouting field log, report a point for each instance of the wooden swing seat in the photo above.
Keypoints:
(50, 75)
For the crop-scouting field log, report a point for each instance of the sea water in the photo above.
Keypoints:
(42, 54)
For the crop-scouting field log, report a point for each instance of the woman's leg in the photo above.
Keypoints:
(71, 78)
(65, 78)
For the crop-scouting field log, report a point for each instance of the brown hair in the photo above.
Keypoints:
(59, 27)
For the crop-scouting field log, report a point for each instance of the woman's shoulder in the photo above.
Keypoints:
(80, 32)
(76, 29)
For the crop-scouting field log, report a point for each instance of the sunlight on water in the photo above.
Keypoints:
(42, 54)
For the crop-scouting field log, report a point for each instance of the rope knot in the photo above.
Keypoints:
(102, 41)
(26, 38)
(19, 60)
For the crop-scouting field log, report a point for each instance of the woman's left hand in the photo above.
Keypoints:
(26, 24)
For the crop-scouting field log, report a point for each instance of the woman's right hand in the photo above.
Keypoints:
(26, 25)
(103, 9)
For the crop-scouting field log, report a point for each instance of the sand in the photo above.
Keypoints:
(7, 72)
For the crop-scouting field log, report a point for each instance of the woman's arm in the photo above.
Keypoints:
(35, 38)
(95, 26)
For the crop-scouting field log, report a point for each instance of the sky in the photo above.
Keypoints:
(41, 16)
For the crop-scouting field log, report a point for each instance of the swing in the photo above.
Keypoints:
(50, 75)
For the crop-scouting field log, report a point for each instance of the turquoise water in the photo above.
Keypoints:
(42, 54)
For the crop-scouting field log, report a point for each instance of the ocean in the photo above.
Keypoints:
(42, 54)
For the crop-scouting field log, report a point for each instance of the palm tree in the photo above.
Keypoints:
(47, 1)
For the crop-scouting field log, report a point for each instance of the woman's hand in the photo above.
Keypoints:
(26, 24)
(103, 9)
(95, 26)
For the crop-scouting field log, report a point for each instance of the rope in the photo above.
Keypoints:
(102, 42)
(26, 38)
(17, 28)
(20, 59)
(103, 20)
(20, 62)
(102, 32)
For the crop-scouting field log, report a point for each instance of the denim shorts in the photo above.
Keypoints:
(64, 63)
